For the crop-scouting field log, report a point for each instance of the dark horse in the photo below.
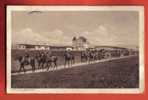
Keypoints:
(51, 61)
(69, 58)
(26, 60)
(87, 56)
(90, 56)
(84, 56)
(22, 61)
(41, 60)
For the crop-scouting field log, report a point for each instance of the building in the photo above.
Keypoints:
(20, 46)
(42, 47)
(32, 47)
(80, 43)
(60, 48)
(110, 48)
(113, 51)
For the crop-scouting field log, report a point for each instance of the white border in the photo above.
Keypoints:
(140, 9)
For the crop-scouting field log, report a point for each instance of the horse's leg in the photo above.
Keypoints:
(24, 68)
(71, 62)
(32, 67)
(74, 61)
(65, 63)
(52, 64)
(81, 59)
(20, 68)
(89, 60)
(55, 63)
(42, 66)
(48, 65)
(39, 64)
(92, 59)
(68, 62)
(85, 58)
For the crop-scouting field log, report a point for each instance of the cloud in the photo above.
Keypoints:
(28, 36)
(58, 37)
(101, 36)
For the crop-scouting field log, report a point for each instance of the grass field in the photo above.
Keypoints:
(122, 73)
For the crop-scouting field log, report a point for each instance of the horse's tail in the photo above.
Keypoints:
(56, 58)
(20, 58)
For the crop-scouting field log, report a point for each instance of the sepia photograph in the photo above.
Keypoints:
(75, 49)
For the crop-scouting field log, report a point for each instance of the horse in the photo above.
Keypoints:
(51, 61)
(32, 63)
(38, 58)
(72, 59)
(90, 56)
(96, 55)
(100, 55)
(69, 58)
(23, 61)
(84, 56)
(41, 59)
(26, 60)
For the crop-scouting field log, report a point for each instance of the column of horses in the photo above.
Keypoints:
(46, 60)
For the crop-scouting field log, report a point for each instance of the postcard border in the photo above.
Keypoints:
(140, 9)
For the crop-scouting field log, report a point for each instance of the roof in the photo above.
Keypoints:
(45, 45)
(83, 38)
(116, 47)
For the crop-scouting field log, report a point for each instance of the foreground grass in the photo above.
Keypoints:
(121, 73)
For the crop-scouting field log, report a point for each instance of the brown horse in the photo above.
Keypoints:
(69, 58)
(51, 61)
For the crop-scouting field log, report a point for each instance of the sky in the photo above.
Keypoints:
(59, 27)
